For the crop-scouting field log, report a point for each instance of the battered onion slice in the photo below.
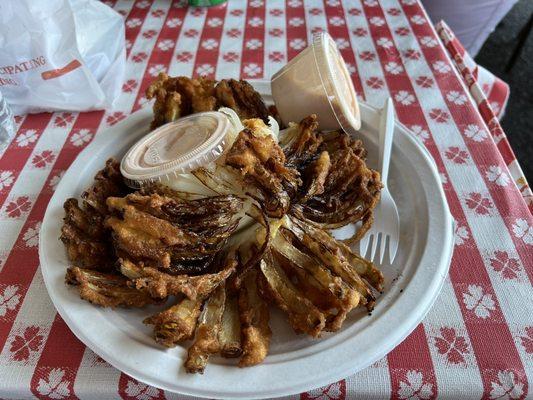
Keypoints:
(351, 191)
(209, 221)
(144, 236)
(304, 140)
(106, 290)
(107, 182)
(338, 187)
(176, 97)
(331, 257)
(254, 316)
(199, 216)
(176, 323)
(328, 292)
(366, 269)
(180, 96)
(261, 163)
(253, 249)
(175, 235)
(242, 98)
(230, 330)
(86, 220)
(304, 317)
(315, 175)
(85, 238)
(325, 248)
(207, 341)
(160, 284)
(83, 232)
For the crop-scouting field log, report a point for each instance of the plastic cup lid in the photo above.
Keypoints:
(176, 148)
(337, 83)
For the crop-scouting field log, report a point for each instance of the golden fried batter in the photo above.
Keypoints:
(206, 341)
(181, 96)
(160, 284)
(241, 97)
(84, 250)
(260, 161)
(106, 290)
(334, 297)
(86, 220)
(144, 236)
(83, 232)
(254, 317)
(212, 214)
(304, 317)
(230, 330)
(107, 182)
(315, 176)
(176, 323)
(306, 140)
(174, 234)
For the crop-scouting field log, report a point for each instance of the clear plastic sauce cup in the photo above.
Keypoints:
(171, 151)
(317, 81)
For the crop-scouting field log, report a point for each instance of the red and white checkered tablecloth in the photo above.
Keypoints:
(476, 342)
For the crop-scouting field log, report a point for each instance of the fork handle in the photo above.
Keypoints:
(386, 133)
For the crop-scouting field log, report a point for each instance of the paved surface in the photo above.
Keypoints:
(494, 55)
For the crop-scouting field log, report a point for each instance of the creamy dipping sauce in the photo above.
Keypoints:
(317, 81)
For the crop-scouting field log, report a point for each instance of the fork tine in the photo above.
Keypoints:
(373, 239)
(363, 244)
(394, 236)
(383, 246)
(377, 233)
(375, 246)
(393, 248)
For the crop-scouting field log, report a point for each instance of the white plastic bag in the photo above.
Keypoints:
(60, 55)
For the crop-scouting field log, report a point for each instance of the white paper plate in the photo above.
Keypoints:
(295, 363)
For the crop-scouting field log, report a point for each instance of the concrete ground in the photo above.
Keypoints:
(494, 55)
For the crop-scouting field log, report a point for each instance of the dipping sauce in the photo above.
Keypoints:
(317, 79)
(175, 149)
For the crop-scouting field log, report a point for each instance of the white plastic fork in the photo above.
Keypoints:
(386, 225)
